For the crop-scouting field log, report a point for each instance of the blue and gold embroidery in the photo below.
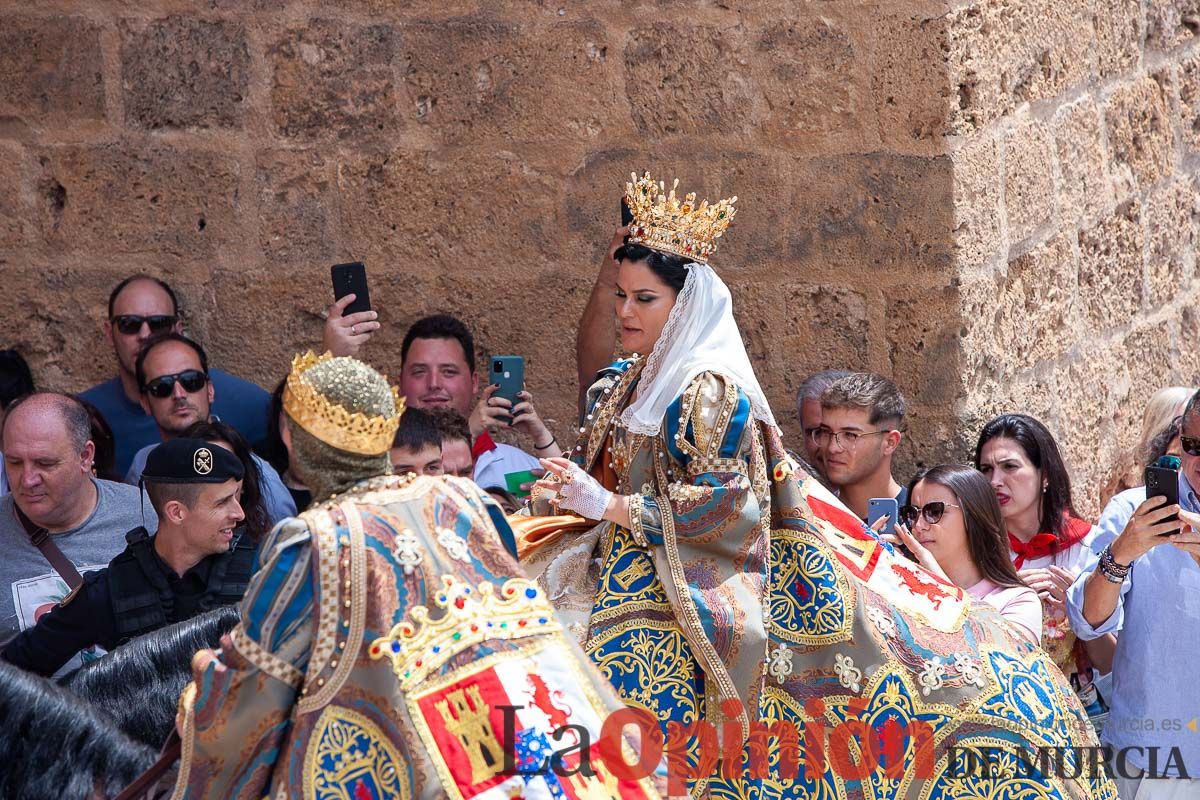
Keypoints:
(349, 758)
(811, 602)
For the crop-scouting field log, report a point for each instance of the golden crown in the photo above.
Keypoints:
(330, 422)
(663, 222)
(419, 645)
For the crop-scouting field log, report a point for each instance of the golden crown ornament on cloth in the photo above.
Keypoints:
(330, 422)
(661, 221)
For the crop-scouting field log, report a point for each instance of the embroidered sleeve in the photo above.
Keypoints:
(645, 519)
(233, 713)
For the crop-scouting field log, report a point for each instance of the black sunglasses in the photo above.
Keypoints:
(1190, 445)
(192, 380)
(932, 512)
(130, 324)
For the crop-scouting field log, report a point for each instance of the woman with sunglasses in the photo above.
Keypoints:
(1049, 542)
(957, 532)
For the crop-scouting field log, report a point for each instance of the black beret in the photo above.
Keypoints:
(191, 461)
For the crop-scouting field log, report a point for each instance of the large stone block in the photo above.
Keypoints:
(830, 323)
(51, 71)
(123, 197)
(923, 328)
(1089, 400)
(13, 211)
(1171, 219)
(976, 201)
(183, 72)
(1086, 190)
(481, 78)
(1028, 180)
(1189, 101)
(1111, 269)
(297, 216)
(1170, 23)
(1118, 33)
(1139, 132)
(815, 102)
(462, 210)
(916, 100)
(1038, 293)
(332, 80)
(691, 79)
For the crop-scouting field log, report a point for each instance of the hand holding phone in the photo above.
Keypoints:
(351, 278)
(507, 373)
(1162, 481)
(880, 507)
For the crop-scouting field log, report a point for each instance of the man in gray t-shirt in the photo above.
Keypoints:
(48, 459)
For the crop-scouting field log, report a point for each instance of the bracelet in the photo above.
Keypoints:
(1111, 569)
(553, 440)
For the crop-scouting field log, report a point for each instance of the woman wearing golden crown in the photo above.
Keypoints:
(723, 585)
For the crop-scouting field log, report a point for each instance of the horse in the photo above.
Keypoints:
(104, 725)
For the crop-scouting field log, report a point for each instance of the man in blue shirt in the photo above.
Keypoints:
(172, 371)
(138, 308)
(1144, 582)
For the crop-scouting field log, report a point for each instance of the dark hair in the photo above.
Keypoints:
(57, 747)
(274, 450)
(258, 521)
(870, 392)
(74, 416)
(169, 336)
(440, 326)
(417, 429)
(1158, 446)
(1042, 451)
(1191, 409)
(668, 268)
(504, 498)
(987, 539)
(139, 683)
(450, 423)
(15, 377)
(120, 287)
(105, 460)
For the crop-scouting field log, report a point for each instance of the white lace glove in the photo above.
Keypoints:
(583, 494)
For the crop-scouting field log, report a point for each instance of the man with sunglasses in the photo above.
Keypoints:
(861, 417)
(140, 307)
(1143, 584)
(176, 392)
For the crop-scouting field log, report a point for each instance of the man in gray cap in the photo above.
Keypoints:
(198, 560)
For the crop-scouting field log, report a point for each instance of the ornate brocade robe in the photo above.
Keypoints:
(742, 579)
(390, 648)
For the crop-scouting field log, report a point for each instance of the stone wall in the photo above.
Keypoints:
(922, 185)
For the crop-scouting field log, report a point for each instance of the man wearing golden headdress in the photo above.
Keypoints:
(388, 647)
(730, 587)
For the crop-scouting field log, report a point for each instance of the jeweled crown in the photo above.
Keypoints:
(353, 432)
(662, 221)
(470, 615)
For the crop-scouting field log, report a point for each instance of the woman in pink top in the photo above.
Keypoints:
(957, 532)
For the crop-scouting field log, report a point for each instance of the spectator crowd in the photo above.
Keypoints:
(139, 502)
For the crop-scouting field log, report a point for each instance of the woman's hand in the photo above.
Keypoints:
(345, 335)
(1051, 583)
(575, 490)
(918, 550)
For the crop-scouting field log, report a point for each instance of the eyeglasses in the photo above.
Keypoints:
(192, 380)
(847, 440)
(932, 512)
(130, 324)
(1190, 445)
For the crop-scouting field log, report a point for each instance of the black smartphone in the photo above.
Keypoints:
(626, 214)
(351, 279)
(1164, 482)
(507, 372)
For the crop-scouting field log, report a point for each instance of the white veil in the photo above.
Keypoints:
(700, 336)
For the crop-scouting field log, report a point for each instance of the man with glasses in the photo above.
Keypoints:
(140, 307)
(1143, 584)
(861, 419)
(176, 392)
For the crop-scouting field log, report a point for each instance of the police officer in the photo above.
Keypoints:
(197, 561)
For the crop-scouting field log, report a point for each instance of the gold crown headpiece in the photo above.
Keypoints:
(469, 615)
(330, 422)
(664, 222)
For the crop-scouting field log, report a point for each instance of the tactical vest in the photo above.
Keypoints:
(141, 597)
